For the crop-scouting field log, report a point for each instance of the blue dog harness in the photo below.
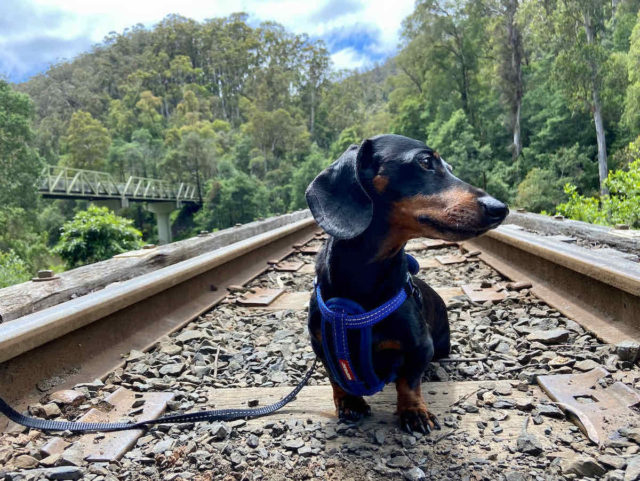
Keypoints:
(340, 317)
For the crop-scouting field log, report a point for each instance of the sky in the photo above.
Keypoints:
(37, 33)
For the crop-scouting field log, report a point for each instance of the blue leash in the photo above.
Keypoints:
(214, 415)
(342, 314)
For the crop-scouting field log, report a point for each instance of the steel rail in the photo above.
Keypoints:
(26, 333)
(85, 338)
(602, 293)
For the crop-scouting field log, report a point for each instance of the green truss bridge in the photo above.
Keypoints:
(161, 196)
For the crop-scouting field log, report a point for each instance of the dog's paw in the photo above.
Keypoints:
(352, 408)
(418, 420)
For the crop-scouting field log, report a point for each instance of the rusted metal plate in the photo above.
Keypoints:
(599, 411)
(289, 266)
(260, 296)
(414, 245)
(483, 294)
(428, 263)
(107, 447)
(297, 301)
(307, 269)
(447, 293)
(310, 250)
(451, 259)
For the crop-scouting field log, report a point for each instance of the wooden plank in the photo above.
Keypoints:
(414, 245)
(447, 293)
(315, 404)
(478, 294)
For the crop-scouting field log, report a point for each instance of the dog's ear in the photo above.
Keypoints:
(336, 197)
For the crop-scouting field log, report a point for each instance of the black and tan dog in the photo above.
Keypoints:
(371, 201)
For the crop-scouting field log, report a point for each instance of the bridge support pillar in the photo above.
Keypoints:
(162, 211)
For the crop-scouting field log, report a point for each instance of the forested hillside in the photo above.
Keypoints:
(520, 96)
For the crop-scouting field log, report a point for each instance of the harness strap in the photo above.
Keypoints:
(339, 316)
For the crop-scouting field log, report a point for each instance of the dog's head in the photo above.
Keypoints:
(406, 182)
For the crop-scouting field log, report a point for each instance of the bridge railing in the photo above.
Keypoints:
(78, 182)
(67, 181)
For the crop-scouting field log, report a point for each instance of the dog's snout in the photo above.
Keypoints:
(493, 209)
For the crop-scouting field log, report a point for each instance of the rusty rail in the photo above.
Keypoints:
(601, 292)
(84, 338)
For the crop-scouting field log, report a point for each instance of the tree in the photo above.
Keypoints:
(194, 153)
(87, 142)
(456, 141)
(444, 42)
(238, 198)
(315, 73)
(509, 50)
(148, 115)
(578, 30)
(631, 116)
(275, 134)
(95, 235)
(20, 165)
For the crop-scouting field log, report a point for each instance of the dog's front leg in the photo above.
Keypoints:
(349, 408)
(412, 409)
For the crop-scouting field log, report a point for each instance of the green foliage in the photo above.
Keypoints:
(315, 162)
(631, 116)
(240, 198)
(21, 232)
(456, 142)
(13, 270)
(20, 164)
(620, 206)
(538, 191)
(95, 235)
(87, 142)
(505, 90)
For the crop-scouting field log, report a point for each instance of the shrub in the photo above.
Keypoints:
(95, 235)
(621, 206)
(13, 270)
(540, 190)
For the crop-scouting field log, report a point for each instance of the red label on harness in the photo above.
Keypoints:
(346, 369)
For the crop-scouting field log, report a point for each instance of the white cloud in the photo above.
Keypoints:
(348, 58)
(82, 22)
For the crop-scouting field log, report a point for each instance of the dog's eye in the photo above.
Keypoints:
(427, 163)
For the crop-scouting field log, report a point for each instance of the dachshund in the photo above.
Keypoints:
(371, 201)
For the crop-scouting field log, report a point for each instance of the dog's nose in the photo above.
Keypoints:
(493, 209)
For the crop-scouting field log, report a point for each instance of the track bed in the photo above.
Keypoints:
(236, 354)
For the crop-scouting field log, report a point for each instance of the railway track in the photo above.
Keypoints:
(196, 330)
